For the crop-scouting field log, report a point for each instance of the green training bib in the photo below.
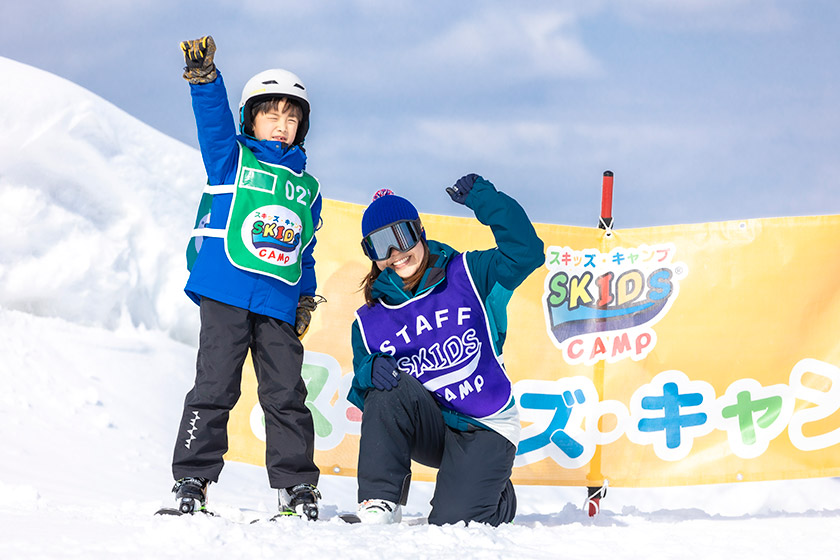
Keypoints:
(270, 220)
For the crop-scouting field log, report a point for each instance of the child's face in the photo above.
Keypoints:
(276, 125)
(404, 264)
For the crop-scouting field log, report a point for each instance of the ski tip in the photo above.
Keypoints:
(177, 512)
(350, 518)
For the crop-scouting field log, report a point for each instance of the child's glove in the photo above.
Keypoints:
(303, 315)
(198, 54)
(384, 374)
(462, 187)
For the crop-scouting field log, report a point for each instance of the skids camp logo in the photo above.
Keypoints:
(272, 233)
(601, 306)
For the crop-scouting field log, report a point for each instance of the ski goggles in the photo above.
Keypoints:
(401, 236)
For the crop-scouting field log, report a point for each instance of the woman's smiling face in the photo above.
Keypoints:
(404, 264)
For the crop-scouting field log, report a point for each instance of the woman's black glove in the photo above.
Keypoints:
(384, 374)
(462, 187)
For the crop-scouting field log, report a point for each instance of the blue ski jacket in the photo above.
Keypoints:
(497, 272)
(212, 274)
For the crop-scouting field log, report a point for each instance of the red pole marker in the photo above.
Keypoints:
(606, 220)
(594, 494)
(593, 499)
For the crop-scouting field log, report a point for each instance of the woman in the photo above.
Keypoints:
(427, 358)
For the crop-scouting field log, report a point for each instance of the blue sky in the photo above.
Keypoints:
(706, 110)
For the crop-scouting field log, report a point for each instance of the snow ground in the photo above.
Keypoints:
(97, 352)
(89, 419)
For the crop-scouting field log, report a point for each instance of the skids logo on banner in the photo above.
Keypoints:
(602, 306)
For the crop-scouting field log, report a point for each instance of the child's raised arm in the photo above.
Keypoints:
(213, 119)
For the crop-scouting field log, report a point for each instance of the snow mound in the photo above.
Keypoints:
(95, 208)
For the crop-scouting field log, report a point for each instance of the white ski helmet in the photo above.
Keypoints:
(273, 83)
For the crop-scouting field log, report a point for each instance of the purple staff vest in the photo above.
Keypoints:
(442, 338)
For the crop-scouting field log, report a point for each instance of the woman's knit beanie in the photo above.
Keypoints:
(386, 209)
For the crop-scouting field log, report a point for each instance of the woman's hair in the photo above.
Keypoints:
(410, 283)
(277, 104)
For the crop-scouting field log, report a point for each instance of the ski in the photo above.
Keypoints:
(279, 517)
(352, 518)
(178, 512)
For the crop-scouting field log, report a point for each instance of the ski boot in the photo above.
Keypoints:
(190, 490)
(379, 512)
(300, 500)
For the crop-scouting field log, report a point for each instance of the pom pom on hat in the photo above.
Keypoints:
(380, 193)
(386, 209)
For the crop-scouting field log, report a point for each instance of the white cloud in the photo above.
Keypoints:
(483, 140)
(714, 15)
(518, 43)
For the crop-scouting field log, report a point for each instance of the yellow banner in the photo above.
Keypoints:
(660, 356)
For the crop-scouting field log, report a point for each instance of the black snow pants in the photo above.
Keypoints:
(474, 467)
(227, 333)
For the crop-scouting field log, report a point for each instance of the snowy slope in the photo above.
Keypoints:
(94, 208)
(96, 354)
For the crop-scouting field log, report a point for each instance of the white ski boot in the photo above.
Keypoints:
(379, 512)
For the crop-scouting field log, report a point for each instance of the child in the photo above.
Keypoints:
(427, 359)
(253, 278)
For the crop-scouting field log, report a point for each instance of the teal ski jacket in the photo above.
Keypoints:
(496, 272)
